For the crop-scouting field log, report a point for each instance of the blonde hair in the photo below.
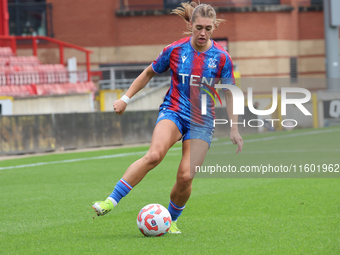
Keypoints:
(191, 10)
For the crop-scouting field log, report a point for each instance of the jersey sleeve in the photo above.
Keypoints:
(227, 75)
(162, 62)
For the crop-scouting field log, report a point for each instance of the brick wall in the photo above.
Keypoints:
(137, 4)
(311, 25)
(267, 36)
(85, 22)
(94, 24)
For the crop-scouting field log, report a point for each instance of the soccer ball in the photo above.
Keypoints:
(154, 220)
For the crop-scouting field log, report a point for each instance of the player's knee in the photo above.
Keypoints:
(153, 158)
(184, 181)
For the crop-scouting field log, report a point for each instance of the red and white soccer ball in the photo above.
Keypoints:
(154, 220)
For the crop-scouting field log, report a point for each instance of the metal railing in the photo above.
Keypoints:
(38, 77)
(12, 41)
(115, 78)
(152, 90)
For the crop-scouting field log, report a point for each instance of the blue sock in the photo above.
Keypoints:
(174, 210)
(121, 189)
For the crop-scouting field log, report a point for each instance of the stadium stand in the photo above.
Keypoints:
(22, 76)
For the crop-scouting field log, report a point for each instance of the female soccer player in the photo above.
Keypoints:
(189, 59)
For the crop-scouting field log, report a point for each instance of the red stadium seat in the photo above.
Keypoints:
(25, 75)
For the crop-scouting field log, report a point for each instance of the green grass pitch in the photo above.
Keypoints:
(46, 208)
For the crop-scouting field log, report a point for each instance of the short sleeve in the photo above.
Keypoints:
(227, 75)
(162, 62)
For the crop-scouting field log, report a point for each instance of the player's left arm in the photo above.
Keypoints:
(228, 78)
(235, 136)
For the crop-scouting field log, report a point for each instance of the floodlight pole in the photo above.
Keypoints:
(331, 47)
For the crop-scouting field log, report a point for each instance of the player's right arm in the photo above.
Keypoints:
(160, 65)
(140, 82)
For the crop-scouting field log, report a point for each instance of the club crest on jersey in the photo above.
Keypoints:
(212, 63)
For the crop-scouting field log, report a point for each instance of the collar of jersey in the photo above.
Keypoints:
(212, 43)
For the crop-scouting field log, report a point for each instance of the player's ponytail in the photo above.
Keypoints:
(185, 11)
(190, 11)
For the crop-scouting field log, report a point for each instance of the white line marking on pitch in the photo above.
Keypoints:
(74, 160)
(172, 149)
(283, 136)
(272, 151)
